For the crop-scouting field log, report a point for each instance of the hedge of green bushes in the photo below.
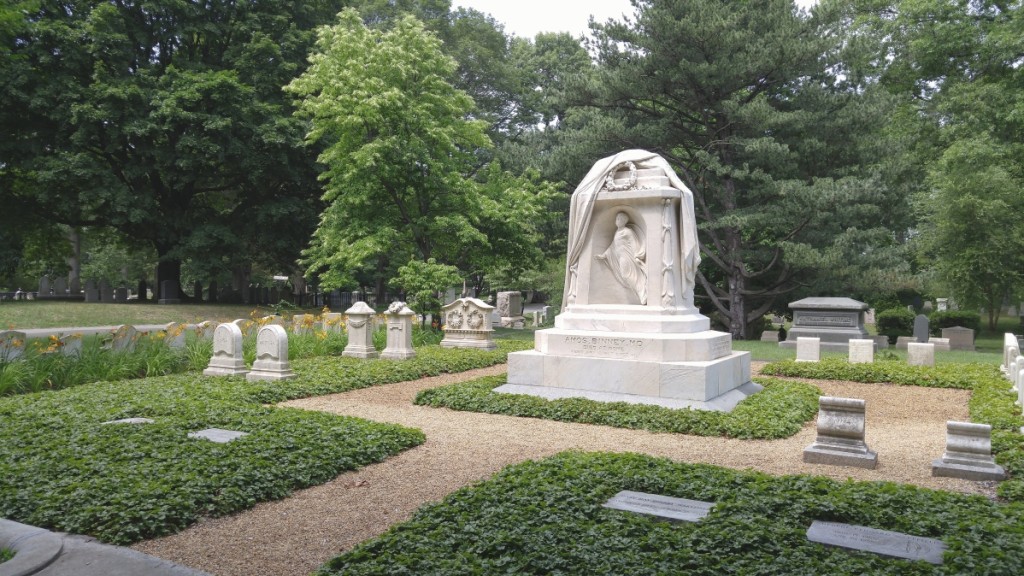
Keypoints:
(546, 517)
(778, 411)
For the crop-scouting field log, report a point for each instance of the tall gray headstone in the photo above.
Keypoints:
(60, 286)
(169, 292)
(921, 328)
(143, 291)
(106, 292)
(212, 294)
(44, 286)
(197, 290)
(91, 293)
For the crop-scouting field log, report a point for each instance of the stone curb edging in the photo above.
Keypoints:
(34, 548)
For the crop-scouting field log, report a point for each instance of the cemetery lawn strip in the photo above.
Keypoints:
(992, 401)
(546, 517)
(779, 411)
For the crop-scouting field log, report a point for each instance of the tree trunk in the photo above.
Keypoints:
(75, 260)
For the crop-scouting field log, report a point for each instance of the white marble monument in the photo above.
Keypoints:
(629, 330)
(271, 355)
(360, 332)
(467, 324)
(227, 359)
(399, 332)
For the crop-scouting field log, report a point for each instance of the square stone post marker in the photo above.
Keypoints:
(840, 439)
(227, 357)
(271, 355)
(360, 332)
(862, 351)
(921, 354)
(968, 453)
(808, 349)
(399, 324)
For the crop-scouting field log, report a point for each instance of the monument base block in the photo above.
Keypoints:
(818, 453)
(228, 370)
(630, 380)
(979, 471)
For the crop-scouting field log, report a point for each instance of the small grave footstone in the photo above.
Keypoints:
(129, 421)
(968, 453)
(12, 345)
(881, 342)
(227, 357)
(940, 343)
(205, 329)
(333, 322)
(862, 351)
(921, 328)
(174, 335)
(668, 507)
(303, 323)
(903, 341)
(770, 336)
(71, 344)
(808, 349)
(840, 440)
(399, 332)
(218, 435)
(919, 354)
(124, 338)
(271, 355)
(883, 542)
(360, 332)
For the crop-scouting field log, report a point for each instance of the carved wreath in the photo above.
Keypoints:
(609, 181)
(455, 319)
(476, 319)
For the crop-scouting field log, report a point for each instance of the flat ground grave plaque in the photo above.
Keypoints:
(678, 509)
(884, 542)
(218, 435)
(130, 421)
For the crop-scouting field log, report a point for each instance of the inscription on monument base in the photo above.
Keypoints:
(884, 542)
(679, 509)
(805, 319)
(604, 346)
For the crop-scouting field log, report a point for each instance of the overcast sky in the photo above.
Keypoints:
(525, 18)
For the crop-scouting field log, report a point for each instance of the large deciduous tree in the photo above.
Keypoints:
(779, 143)
(164, 120)
(399, 150)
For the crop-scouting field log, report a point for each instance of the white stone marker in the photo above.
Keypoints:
(921, 354)
(1020, 387)
(227, 357)
(174, 334)
(770, 336)
(399, 326)
(205, 329)
(360, 332)
(271, 355)
(808, 349)
(129, 421)
(244, 326)
(124, 338)
(1014, 372)
(12, 344)
(333, 322)
(968, 453)
(862, 351)
(840, 440)
(466, 325)
(303, 323)
(669, 507)
(218, 435)
(884, 542)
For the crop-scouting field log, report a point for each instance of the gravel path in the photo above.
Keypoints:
(905, 425)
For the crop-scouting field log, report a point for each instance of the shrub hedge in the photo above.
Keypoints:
(895, 322)
(778, 411)
(950, 318)
(992, 401)
(546, 517)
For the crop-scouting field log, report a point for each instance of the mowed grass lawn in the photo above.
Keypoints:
(25, 315)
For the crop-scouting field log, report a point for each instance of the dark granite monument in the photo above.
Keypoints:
(835, 321)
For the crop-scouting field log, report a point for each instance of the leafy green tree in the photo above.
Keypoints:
(424, 284)
(162, 119)
(753, 105)
(398, 151)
